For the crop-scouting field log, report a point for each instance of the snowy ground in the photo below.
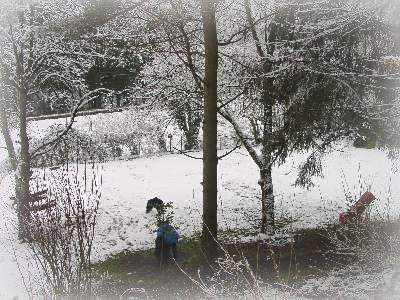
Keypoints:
(127, 185)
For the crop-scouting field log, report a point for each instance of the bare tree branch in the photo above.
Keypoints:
(87, 98)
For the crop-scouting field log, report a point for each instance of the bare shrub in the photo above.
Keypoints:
(78, 145)
(62, 231)
(366, 242)
(232, 277)
(362, 254)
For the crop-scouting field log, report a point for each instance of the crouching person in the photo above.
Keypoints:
(166, 241)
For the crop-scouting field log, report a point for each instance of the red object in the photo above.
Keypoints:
(357, 209)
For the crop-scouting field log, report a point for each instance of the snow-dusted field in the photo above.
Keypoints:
(127, 185)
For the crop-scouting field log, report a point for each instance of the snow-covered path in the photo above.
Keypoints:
(127, 185)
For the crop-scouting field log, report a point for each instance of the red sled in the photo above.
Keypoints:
(357, 209)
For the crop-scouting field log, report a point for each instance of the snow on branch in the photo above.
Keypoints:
(243, 137)
(86, 99)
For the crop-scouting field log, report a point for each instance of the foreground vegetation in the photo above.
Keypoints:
(247, 268)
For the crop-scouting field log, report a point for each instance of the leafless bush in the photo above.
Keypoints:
(62, 231)
(367, 242)
(365, 259)
(233, 277)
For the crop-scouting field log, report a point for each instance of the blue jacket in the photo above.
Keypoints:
(168, 233)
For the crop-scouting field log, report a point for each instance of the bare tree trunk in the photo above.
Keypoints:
(210, 160)
(267, 191)
(23, 173)
(267, 201)
(265, 182)
(5, 130)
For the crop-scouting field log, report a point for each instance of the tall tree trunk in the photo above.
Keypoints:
(267, 201)
(210, 160)
(23, 173)
(267, 190)
(265, 181)
(5, 130)
(267, 102)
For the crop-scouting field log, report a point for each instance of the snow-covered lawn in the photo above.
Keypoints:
(127, 185)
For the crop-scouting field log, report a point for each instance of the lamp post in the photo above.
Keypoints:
(170, 142)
